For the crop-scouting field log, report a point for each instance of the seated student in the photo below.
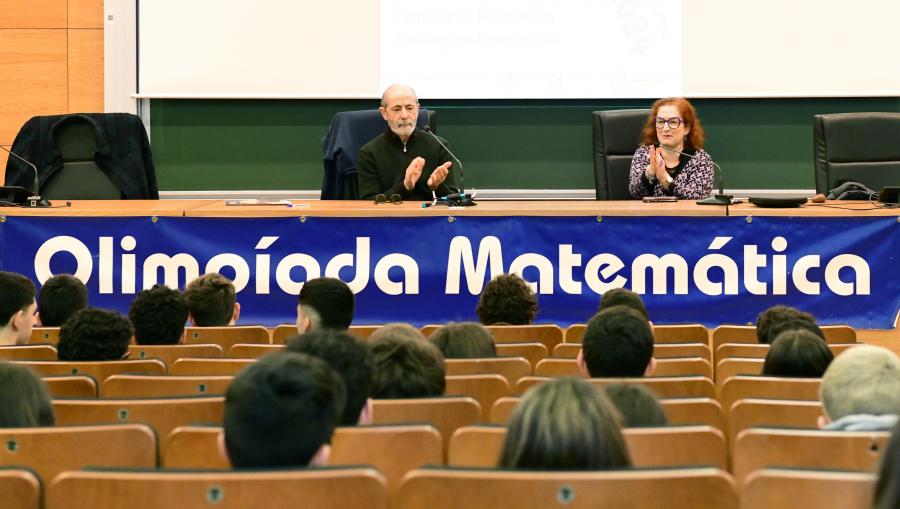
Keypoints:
(211, 301)
(60, 297)
(507, 300)
(281, 411)
(17, 309)
(24, 400)
(623, 297)
(351, 359)
(777, 319)
(618, 342)
(158, 316)
(797, 353)
(94, 334)
(640, 408)
(861, 390)
(406, 364)
(564, 424)
(887, 489)
(465, 340)
(325, 302)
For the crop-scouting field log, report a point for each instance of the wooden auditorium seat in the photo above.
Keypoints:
(771, 488)
(100, 370)
(281, 333)
(534, 352)
(660, 351)
(142, 386)
(663, 387)
(757, 351)
(77, 386)
(547, 334)
(171, 353)
(226, 336)
(49, 451)
(734, 366)
(834, 334)
(45, 335)
(209, 367)
(767, 387)
(28, 353)
(446, 413)
(19, 489)
(681, 333)
(679, 366)
(347, 488)
(248, 351)
(444, 488)
(485, 389)
(772, 413)
(511, 368)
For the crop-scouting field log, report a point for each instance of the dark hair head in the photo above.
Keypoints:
(406, 364)
(466, 340)
(158, 316)
(887, 489)
(695, 138)
(210, 299)
(798, 353)
(640, 408)
(60, 297)
(507, 299)
(16, 294)
(346, 355)
(280, 410)
(94, 334)
(778, 319)
(564, 424)
(332, 299)
(24, 400)
(623, 297)
(618, 342)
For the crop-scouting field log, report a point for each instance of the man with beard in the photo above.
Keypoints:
(404, 161)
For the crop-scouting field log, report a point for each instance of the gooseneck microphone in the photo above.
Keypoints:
(719, 199)
(35, 199)
(461, 198)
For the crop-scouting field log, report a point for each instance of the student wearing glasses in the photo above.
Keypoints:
(671, 160)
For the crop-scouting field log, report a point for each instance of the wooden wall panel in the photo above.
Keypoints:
(32, 77)
(32, 13)
(85, 13)
(86, 70)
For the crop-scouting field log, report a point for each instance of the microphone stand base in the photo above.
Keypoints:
(719, 199)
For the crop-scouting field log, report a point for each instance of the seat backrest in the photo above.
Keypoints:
(767, 387)
(227, 336)
(861, 147)
(511, 368)
(534, 352)
(74, 386)
(548, 334)
(99, 370)
(28, 352)
(617, 134)
(447, 413)
(45, 335)
(673, 366)
(770, 488)
(679, 333)
(80, 178)
(282, 332)
(437, 488)
(773, 413)
(351, 488)
(171, 353)
(485, 389)
(49, 451)
(163, 415)
(663, 387)
(19, 489)
(245, 351)
(142, 386)
(834, 334)
(760, 448)
(757, 351)
(209, 367)
(348, 132)
(734, 366)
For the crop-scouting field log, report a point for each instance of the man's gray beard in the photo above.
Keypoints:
(405, 131)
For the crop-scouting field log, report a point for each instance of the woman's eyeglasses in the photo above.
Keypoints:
(673, 122)
(380, 199)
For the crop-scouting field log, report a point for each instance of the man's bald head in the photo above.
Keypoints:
(397, 90)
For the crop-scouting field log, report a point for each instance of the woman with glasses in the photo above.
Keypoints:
(671, 160)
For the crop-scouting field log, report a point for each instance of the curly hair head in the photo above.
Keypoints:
(158, 316)
(507, 299)
(94, 335)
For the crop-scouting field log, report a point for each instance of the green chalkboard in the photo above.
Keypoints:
(276, 144)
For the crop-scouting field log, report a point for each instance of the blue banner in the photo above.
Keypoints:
(432, 269)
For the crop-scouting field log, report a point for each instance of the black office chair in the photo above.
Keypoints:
(861, 147)
(80, 178)
(617, 134)
(349, 131)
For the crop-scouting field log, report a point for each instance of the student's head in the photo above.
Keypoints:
(94, 334)
(564, 424)
(623, 297)
(508, 300)
(797, 353)
(331, 300)
(466, 340)
(281, 411)
(887, 489)
(777, 319)
(17, 308)
(638, 406)
(351, 359)
(60, 297)
(158, 316)
(618, 342)
(24, 400)
(406, 364)
(211, 301)
(863, 380)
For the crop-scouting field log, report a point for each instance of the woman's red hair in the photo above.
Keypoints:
(693, 141)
